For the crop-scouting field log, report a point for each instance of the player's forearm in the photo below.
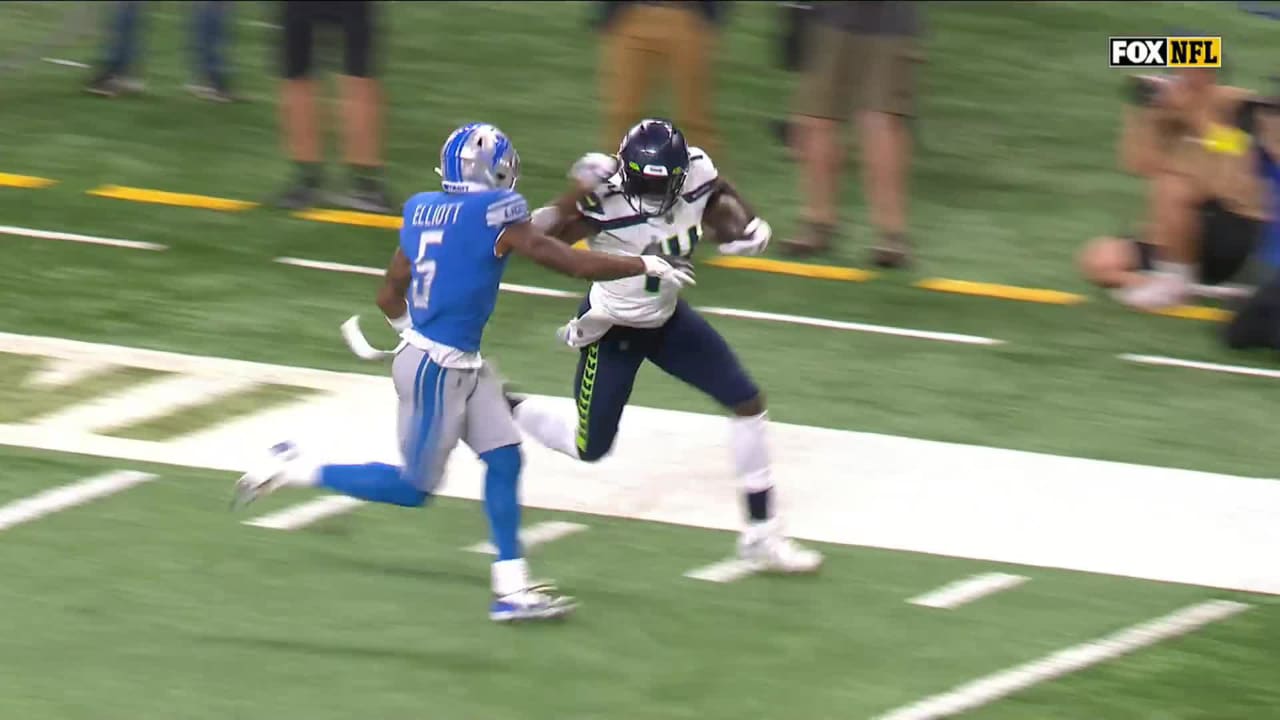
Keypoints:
(391, 303)
(584, 265)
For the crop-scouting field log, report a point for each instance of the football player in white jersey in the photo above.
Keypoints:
(655, 196)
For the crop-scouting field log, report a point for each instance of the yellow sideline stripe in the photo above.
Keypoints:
(783, 267)
(25, 181)
(161, 197)
(1002, 292)
(1196, 312)
(350, 217)
(757, 264)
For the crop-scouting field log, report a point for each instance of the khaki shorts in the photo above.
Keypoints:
(847, 72)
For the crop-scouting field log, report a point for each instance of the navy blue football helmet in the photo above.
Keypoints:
(655, 162)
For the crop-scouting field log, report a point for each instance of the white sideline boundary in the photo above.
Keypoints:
(982, 503)
(1162, 361)
(717, 311)
(988, 689)
(296, 517)
(74, 237)
(84, 491)
(263, 373)
(534, 535)
(962, 592)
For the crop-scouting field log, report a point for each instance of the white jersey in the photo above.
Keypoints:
(645, 302)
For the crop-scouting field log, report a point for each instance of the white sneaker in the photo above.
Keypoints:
(766, 546)
(267, 477)
(1160, 292)
(537, 602)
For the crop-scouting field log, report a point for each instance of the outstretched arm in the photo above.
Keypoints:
(524, 239)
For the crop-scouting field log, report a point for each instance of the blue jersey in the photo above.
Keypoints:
(450, 241)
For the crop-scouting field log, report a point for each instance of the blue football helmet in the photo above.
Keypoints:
(655, 162)
(478, 157)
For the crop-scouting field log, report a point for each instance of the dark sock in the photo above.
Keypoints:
(758, 505)
(309, 174)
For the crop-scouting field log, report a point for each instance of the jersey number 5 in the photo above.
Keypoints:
(424, 269)
(681, 245)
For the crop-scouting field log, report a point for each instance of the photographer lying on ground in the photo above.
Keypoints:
(1205, 201)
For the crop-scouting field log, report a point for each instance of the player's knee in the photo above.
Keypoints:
(751, 407)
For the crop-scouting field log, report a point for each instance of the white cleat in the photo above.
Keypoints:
(537, 602)
(765, 546)
(267, 477)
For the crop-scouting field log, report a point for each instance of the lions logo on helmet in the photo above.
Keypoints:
(655, 163)
(478, 157)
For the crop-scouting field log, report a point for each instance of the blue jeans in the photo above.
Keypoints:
(209, 37)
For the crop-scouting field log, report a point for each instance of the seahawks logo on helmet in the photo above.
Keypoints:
(655, 162)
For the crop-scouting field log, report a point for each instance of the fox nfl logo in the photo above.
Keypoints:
(1167, 52)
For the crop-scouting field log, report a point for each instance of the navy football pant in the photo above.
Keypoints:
(686, 347)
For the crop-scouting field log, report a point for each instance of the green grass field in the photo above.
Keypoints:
(155, 603)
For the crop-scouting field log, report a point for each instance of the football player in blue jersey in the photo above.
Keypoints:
(438, 293)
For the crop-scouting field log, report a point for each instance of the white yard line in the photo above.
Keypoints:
(67, 496)
(534, 535)
(66, 63)
(1196, 365)
(61, 372)
(301, 515)
(725, 571)
(953, 595)
(851, 326)
(73, 237)
(722, 312)
(986, 690)
(142, 402)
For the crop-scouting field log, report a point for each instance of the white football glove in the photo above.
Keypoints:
(593, 169)
(673, 269)
(754, 241)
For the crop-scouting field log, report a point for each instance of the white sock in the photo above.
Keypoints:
(301, 472)
(549, 425)
(750, 450)
(1183, 271)
(510, 576)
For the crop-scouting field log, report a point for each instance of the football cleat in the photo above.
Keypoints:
(536, 602)
(765, 546)
(266, 478)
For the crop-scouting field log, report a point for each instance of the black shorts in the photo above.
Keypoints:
(353, 18)
(1227, 240)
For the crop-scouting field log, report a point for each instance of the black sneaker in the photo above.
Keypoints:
(372, 199)
(298, 197)
(109, 84)
(212, 91)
